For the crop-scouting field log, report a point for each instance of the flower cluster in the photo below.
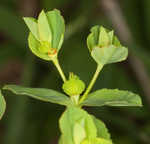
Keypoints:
(46, 34)
(105, 47)
(74, 86)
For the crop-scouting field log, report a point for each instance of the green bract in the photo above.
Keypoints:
(74, 86)
(104, 46)
(78, 127)
(46, 34)
(102, 131)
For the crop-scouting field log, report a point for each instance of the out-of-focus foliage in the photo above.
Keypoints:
(33, 122)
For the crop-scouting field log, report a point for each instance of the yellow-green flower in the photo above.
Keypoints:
(46, 34)
(105, 47)
(74, 86)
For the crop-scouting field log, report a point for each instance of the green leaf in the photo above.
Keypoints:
(93, 37)
(111, 54)
(57, 24)
(116, 42)
(32, 25)
(103, 37)
(111, 37)
(96, 141)
(2, 105)
(70, 118)
(45, 32)
(102, 131)
(112, 97)
(42, 94)
(35, 47)
(61, 140)
(79, 133)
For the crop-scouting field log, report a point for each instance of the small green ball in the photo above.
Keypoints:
(73, 86)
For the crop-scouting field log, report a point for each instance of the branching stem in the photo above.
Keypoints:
(56, 63)
(99, 68)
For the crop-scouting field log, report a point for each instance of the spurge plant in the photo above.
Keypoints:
(77, 126)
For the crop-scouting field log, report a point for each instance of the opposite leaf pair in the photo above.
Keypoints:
(102, 97)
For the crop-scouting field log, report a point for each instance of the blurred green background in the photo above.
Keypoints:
(28, 121)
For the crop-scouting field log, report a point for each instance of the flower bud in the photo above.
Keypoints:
(74, 86)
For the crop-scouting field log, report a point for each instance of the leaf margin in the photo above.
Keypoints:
(88, 100)
(66, 102)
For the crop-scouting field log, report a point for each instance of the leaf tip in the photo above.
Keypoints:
(42, 13)
(57, 11)
(25, 19)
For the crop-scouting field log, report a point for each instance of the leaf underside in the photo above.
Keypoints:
(47, 95)
(112, 97)
(111, 54)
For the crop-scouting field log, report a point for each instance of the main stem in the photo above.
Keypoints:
(99, 67)
(56, 63)
(75, 99)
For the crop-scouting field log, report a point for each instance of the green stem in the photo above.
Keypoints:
(99, 68)
(75, 99)
(56, 63)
